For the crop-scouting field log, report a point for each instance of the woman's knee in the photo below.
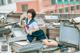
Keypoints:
(55, 43)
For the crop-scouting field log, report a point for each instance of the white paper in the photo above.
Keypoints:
(19, 33)
(22, 43)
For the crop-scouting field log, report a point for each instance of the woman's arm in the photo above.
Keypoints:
(30, 31)
(21, 23)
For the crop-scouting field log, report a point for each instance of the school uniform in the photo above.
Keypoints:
(39, 34)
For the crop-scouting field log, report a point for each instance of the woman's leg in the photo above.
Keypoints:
(41, 36)
(52, 43)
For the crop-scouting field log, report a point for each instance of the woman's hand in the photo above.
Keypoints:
(23, 15)
(29, 32)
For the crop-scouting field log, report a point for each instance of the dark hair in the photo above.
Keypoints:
(32, 11)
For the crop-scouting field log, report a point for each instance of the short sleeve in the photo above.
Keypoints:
(34, 25)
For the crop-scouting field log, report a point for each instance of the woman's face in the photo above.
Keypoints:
(29, 15)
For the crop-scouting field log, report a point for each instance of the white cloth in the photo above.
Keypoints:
(34, 25)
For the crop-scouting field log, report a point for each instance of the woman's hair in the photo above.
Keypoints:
(32, 11)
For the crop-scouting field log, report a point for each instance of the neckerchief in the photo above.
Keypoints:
(27, 24)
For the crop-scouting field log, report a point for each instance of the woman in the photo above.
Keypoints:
(33, 29)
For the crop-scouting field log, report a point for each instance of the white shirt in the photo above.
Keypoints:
(33, 25)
